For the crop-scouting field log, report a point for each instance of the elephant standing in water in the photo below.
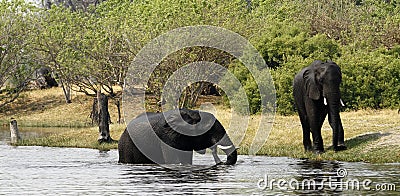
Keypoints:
(316, 94)
(170, 138)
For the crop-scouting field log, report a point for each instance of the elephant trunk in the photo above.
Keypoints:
(226, 145)
(334, 103)
(232, 156)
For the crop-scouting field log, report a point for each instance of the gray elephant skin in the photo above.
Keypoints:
(44, 78)
(171, 137)
(316, 94)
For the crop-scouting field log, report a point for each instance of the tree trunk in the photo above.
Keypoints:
(103, 118)
(67, 91)
(196, 94)
(94, 115)
(118, 103)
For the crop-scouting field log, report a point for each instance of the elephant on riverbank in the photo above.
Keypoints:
(171, 137)
(316, 94)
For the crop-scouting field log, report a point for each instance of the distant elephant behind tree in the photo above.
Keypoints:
(44, 78)
(171, 137)
(316, 94)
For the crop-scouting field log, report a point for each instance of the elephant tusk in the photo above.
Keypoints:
(224, 147)
(341, 102)
(325, 103)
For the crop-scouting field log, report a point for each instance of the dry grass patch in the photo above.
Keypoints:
(370, 135)
(47, 108)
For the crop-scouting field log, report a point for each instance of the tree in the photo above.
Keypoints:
(54, 36)
(17, 57)
(104, 56)
(88, 54)
(143, 21)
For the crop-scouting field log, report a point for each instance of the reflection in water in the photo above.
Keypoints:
(333, 177)
(317, 176)
(162, 180)
(149, 174)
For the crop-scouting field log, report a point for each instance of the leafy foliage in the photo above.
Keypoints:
(17, 58)
(90, 48)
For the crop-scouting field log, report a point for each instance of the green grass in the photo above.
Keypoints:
(370, 135)
(76, 137)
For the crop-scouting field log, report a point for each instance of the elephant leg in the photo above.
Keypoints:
(306, 132)
(341, 136)
(317, 138)
(338, 137)
(128, 151)
(318, 121)
(322, 116)
(305, 126)
(125, 146)
(135, 156)
(315, 113)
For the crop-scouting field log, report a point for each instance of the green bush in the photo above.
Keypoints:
(370, 79)
(249, 86)
(361, 36)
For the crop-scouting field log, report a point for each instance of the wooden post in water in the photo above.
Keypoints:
(14, 131)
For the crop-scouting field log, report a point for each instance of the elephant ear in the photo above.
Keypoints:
(180, 118)
(312, 89)
(189, 122)
(183, 121)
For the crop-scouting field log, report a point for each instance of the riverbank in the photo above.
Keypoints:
(370, 135)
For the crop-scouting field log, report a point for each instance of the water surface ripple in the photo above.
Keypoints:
(33, 170)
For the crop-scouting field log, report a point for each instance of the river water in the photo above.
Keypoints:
(33, 170)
